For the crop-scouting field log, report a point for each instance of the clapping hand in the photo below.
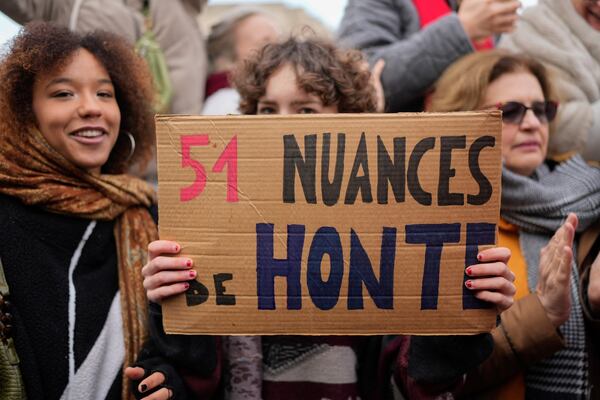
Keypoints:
(554, 275)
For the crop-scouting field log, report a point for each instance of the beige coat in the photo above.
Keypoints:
(174, 25)
(554, 33)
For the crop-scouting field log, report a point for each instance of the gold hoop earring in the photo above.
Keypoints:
(131, 143)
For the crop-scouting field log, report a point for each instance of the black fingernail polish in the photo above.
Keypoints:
(143, 388)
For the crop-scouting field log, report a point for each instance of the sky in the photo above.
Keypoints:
(328, 11)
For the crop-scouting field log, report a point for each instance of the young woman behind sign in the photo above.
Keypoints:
(308, 77)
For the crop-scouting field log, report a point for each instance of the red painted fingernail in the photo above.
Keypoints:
(188, 263)
(143, 387)
(192, 274)
(186, 285)
(479, 257)
(469, 284)
(176, 248)
(469, 271)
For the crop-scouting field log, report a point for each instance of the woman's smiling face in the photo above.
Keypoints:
(76, 111)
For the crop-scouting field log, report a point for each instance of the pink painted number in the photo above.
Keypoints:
(228, 158)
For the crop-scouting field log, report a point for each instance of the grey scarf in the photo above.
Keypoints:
(538, 205)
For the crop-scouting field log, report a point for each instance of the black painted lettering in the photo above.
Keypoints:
(331, 189)
(196, 294)
(414, 186)
(223, 299)
(362, 183)
(392, 172)
(447, 144)
(306, 167)
(485, 187)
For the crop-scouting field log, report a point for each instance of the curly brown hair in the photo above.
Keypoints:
(337, 77)
(43, 47)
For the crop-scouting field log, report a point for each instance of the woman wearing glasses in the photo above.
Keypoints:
(565, 36)
(543, 343)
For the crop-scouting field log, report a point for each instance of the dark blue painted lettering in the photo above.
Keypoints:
(381, 292)
(267, 268)
(433, 236)
(476, 234)
(325, 294)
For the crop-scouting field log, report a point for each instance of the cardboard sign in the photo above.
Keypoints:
(329, 224)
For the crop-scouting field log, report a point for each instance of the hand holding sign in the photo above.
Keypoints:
(165, 274)
(493, 279)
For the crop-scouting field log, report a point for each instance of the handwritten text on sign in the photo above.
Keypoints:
(329, 224)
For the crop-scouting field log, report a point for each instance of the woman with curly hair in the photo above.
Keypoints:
(75, 113)
(336, 81)
(309, 77)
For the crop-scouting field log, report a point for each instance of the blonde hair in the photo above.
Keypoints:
(462, 87)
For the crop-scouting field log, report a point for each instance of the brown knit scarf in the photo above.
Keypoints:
(32, 171)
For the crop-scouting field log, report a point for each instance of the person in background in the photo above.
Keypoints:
(313, 77)
(173, 23)
(419, 39)
(546, 343)
(565, 36)
(240, 32)
(75, 112)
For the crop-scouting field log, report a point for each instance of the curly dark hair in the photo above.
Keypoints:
(337, 77)
(42, 47)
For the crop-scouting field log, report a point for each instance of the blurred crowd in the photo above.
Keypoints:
(83, 271)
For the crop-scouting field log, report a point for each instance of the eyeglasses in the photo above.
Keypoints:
(513, 112)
